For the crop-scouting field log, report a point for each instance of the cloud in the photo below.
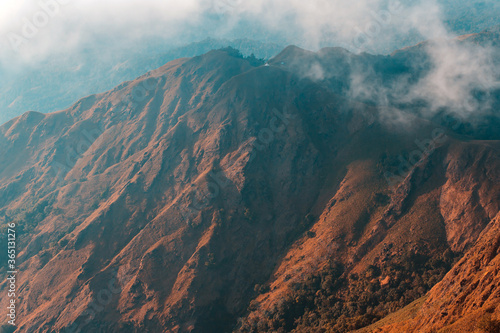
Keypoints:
(458, 70)
(38, 28)
(35, 29)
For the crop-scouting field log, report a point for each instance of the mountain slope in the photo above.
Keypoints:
(217, 193)
(370, 256)
(146, 183)
(466, 299)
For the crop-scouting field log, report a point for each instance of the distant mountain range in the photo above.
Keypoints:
(56, 83)
(222, 193)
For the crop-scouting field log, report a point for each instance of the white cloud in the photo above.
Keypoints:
(371, 25)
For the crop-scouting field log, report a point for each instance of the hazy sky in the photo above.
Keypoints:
(33, 29)
(37, 28)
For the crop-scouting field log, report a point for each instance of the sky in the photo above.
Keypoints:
(34, 29)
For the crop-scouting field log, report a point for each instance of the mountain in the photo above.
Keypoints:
(57, 82)
(220, 193)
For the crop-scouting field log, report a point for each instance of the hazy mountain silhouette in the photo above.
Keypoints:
(57, 82)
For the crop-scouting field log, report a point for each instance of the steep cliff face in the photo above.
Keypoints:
(217, 194)
(373, 251)
(467, 299)
(470, 291)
